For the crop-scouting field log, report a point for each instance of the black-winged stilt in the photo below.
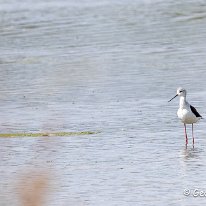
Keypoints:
(186, 112)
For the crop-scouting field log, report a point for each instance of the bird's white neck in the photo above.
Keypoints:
(182, 101)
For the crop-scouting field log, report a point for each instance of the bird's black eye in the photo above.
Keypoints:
(180, 91)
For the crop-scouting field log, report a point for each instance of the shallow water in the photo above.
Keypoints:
(109, 67)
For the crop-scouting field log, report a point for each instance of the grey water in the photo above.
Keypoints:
(107, 66)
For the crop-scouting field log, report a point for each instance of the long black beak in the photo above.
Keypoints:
(173, 98)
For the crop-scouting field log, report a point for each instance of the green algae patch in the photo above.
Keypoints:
(47, 134)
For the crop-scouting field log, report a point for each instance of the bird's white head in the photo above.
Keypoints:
(180, 92)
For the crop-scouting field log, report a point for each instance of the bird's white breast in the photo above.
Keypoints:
(186, 116)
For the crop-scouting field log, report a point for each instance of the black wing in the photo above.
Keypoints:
(195, 111)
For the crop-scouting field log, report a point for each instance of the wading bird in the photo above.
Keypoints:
(186, 112)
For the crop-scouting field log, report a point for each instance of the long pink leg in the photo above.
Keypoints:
(186, 135)
(193, 138)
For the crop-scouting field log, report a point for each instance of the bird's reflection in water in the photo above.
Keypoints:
(191, 153)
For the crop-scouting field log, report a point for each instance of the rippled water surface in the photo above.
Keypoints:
(108, 66)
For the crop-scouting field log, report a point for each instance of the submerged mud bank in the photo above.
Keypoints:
(42, 134)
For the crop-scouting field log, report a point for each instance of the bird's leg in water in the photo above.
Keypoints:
(186, 135)
(193, 138)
